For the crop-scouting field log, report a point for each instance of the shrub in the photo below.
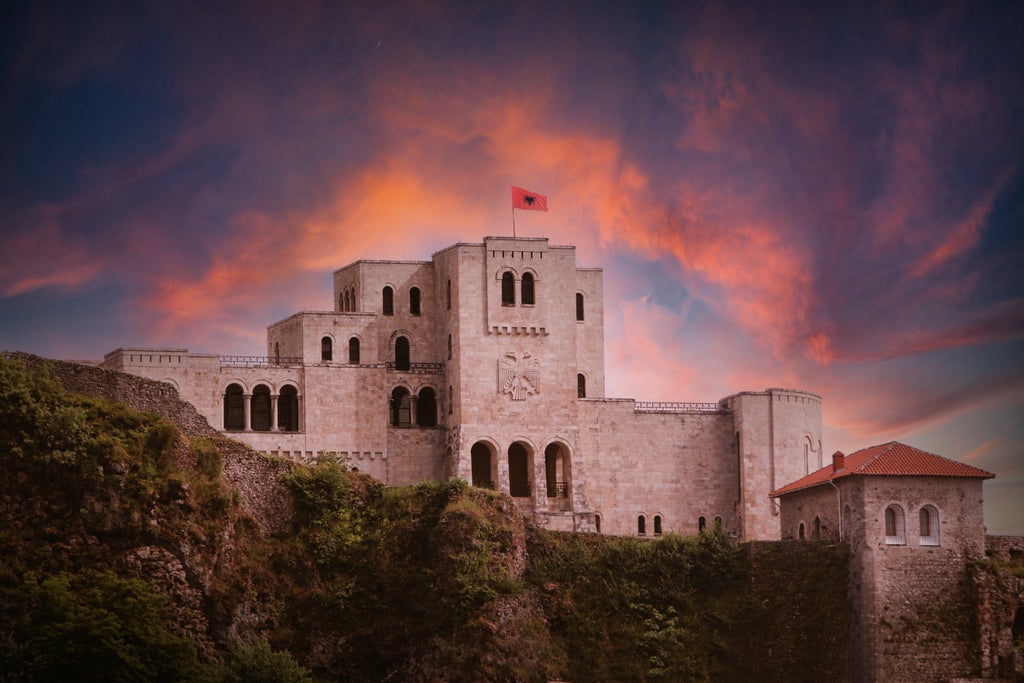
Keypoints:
(92, 628)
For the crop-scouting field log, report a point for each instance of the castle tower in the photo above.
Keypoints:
(526, 338)
(777, 440)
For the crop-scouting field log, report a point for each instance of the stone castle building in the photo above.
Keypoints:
(487, 363)
(913, 523)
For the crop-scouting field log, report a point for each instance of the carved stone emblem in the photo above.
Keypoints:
(519, 375)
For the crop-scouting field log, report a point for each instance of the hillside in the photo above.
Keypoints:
(138, 544)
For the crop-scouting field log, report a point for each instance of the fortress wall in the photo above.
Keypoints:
(338, 417)
(679, 466)
(414, 455)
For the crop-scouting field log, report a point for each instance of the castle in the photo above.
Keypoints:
(487, 363)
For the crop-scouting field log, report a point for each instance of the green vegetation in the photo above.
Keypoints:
(433, 582)
(88, 627)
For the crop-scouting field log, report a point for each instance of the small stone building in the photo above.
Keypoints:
(913, 521)
(486, 362)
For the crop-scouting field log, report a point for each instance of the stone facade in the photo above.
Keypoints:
(487, 363)
(912, 539)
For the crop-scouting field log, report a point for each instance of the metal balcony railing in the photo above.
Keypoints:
(260, 361)
(520, 489)
(676, 407)
(431, 368)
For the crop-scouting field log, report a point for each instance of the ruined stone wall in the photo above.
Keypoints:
(264, 497)
(999, 591)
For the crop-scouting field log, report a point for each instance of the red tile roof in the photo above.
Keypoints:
(888, 459)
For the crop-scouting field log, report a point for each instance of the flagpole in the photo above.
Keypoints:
(513, 221)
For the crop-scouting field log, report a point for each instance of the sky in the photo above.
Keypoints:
(781, 194)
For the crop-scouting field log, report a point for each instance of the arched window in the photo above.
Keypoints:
(702, 524)
(277, 353)
(508, 289)
(449, 346)
(482, 464)
(234, 408)
(388, 301)
(641, 525)
(581, 386)
(597, 523)
(450, 393)
(400, 415)
(352, 299)
(343, 301)
(414, 301)
(579, 306)
(527, 290)
(519, 468)
(929, 518)
(816, 534)
(448, 293)
(353, 351)
(557, 470)
(401, 353)
(326, 349)
(800, 533)
(426, 408)
(895, 526)
(260, 409)
(288, 409)
(657, 525)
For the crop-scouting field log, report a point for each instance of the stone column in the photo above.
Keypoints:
(273, 413)
(248, 409)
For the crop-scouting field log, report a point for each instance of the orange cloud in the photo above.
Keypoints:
(42, 255)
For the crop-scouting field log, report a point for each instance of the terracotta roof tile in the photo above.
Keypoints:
(888, 459)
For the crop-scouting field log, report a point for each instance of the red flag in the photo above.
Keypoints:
(531, 201)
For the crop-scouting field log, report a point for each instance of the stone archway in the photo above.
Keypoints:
(558, 476)
(483, 466)
(520, 466)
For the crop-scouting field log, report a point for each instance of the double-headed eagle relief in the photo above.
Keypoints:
(519, 375)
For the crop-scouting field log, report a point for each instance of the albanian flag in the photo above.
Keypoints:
(531, 201)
